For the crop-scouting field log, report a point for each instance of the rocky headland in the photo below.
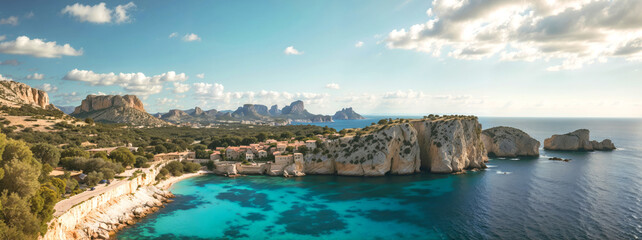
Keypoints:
(509, 142)
(577, 140)
(449, 144)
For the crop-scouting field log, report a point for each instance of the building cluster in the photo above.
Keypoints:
(262, 150)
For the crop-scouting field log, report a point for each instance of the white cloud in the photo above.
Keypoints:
(13, 20)
(2, 78)
(120, 12)
(3, 37)
(29, 15)
(165, 101)
(35, 76)
(99, 13)
(134, 83)
(200, 75)
(292, 51)
(215, 93)
(48, 88)
(67, 98)
(575, 32)
(191, 37)
(37, 48)
(173, 35)
(332, 86)
(180, 88)
(359, 44)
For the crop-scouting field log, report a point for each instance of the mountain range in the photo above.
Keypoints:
(129, 109)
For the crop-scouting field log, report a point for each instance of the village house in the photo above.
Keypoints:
(283, 159)
(232, 152)
(215, 156)
(249, 155)
(298, 157)
(281, 147)
(262, 154)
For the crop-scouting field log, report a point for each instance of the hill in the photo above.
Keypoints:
(347, 114)
(116, 109)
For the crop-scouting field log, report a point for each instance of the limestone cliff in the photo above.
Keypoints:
(450, 144)
(116, 109)
(440, 145)
(509, 142)
(100, 102)
(577, 140)
(15, 94)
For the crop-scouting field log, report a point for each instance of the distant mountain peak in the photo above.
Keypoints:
(347, 114)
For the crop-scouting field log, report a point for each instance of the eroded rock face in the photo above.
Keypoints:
(509, 142)
(392, 150)
(15, 94)
(100, 102)
(438, 146)
(450, 145)
(576, 141)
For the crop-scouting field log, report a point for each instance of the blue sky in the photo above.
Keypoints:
(380, 57)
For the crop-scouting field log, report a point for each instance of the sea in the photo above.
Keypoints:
(596, 195)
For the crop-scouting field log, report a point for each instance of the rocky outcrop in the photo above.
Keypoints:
(296, 112)
(100, 102)
(251, 111)
(274, 110)
(509, 142)
(16, 94)
(577, 141)
(347, 114)
(451, 144)
(116, 109)
(441, 145)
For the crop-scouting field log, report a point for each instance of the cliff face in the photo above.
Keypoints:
(450, 144)
(509, 142)
(438, 146)
(15, 94)
(100, 102)
(116, 109)
(577, 140)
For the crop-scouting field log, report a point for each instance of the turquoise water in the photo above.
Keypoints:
(597, 195)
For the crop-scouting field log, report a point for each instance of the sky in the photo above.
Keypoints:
(548, 58)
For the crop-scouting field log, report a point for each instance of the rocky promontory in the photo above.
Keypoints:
(577, 140)
(437, 145)
(509, 142)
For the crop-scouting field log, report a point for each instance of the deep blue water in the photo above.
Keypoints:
(597, 195)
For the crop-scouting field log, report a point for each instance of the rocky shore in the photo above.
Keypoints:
(103, 215)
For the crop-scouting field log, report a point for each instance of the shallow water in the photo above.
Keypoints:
(597, 195)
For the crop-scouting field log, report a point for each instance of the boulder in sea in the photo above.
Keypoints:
(509, 142)
(577, 140)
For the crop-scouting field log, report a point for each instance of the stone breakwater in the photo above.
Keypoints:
(439, 145)
(105, 214)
